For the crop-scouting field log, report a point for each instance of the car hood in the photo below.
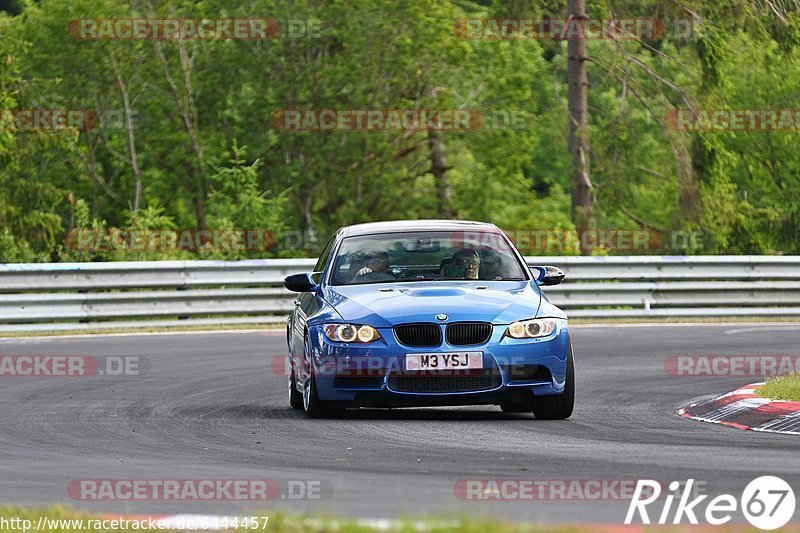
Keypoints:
(499, 302)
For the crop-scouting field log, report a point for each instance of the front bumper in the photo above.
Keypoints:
(374, 374)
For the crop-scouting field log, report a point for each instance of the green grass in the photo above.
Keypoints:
(282, 522)
(781, 388)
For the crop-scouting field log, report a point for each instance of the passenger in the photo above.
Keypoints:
(491, 265)
(375, 262)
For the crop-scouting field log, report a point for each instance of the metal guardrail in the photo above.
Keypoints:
(128, 294)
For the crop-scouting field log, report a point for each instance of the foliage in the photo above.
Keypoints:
(164, 155)
(785, 387)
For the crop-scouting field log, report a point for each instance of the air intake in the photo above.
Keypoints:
(468, 333)
(418, 334)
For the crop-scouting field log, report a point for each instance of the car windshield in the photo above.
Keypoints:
(425, 256)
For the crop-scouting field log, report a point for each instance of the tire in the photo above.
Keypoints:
(295, 397)
(518, 403)
(312, 405)
(515, 408)
(558, 406)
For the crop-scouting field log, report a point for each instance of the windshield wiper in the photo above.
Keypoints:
(430, 277)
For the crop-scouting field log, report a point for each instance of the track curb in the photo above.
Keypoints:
(744, 409)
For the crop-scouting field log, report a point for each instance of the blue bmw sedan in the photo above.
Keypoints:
(427, 313)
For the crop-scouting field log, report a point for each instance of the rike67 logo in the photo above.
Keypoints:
(767, 502)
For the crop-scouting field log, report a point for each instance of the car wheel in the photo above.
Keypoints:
(515, 407)
(312, 405)
(295, 396)
(558, 407)
(520, 402)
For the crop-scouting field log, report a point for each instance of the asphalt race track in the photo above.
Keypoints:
(210, 406)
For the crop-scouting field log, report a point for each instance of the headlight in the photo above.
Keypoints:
(351, 333)
(530, 329)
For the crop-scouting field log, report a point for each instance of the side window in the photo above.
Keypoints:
(323, 258)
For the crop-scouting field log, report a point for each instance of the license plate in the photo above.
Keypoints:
(444, 361)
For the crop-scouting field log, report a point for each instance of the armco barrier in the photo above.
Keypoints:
(74, 296)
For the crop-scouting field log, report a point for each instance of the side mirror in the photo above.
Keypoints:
(549, 275)
(301, 282)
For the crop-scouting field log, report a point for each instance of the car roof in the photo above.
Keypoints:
(396, 226)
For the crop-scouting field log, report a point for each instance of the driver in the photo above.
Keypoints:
(375, 262)
(470, 261)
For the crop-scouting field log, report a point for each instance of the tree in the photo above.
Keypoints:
(582, 194)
